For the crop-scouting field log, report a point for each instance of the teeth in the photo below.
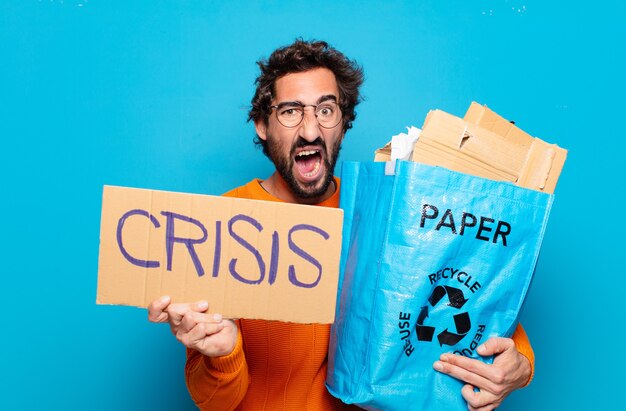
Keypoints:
(307, 153)
(314, 171)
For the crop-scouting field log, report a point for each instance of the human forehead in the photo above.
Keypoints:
(306, 87)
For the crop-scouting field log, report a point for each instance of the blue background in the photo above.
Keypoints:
(155, 95)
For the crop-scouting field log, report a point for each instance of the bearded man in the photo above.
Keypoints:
(303, 106)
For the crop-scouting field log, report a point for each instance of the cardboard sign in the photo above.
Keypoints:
(247, 258)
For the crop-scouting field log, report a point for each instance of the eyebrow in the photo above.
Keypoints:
(326, 98)
(320, 100)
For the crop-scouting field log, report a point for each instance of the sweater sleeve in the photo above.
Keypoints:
(218, 383)
(523, 346)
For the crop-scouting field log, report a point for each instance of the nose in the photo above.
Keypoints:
(309, 128)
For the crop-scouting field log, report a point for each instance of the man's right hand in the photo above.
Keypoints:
(208, 334)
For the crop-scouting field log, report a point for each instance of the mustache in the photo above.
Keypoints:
(303, 143)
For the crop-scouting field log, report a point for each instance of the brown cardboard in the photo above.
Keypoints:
(486, 145)
(383, 153)
(469, 146)
(298, 247)
(488, 119)
(543, 163)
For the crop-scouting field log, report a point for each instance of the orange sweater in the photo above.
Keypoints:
(275, 365)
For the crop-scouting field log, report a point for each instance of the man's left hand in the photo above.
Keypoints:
(510, 370)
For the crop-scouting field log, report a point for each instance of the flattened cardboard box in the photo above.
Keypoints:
(247, 258)
(486, 145)
(543, 162)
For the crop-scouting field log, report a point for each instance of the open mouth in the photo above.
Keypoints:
(309, 163)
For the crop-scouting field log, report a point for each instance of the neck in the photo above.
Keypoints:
(276, 186)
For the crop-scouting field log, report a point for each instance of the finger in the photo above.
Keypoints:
(192, 318)
(465, 369)
(177, 311)
(489, 407)
(156, 309)
(495, 345)
(478, 400)
(471, 365)
(195, 337)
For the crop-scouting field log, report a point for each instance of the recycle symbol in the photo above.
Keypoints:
(461, 321)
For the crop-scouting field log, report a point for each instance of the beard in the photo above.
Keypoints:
(285, 166)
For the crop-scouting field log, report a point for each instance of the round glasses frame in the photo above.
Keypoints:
(291, 114)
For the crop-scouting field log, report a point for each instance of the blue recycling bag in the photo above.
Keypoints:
(432, 261)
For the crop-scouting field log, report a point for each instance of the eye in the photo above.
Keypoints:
(289, 112)
(325, 110)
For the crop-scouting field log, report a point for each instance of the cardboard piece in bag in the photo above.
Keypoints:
(486, 145)
(383, 153)
(543, 163)
(247, 258)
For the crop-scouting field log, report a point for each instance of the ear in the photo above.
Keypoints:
(261, 129)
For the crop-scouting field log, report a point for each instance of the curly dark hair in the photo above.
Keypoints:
(303, 56)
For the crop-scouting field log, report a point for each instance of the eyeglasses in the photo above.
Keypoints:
(291, 113)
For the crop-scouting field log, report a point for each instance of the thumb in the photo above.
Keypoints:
(176, 312)
(200, 306)
(494, 346)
